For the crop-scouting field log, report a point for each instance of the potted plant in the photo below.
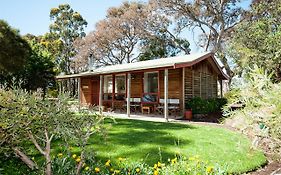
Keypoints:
(188, 112)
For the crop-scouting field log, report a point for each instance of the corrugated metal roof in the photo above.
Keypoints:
(142, 65)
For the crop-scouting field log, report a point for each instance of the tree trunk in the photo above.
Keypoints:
(80, 163)
(25, 159)
(47, 155)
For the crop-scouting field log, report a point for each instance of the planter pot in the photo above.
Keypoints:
(188, 114)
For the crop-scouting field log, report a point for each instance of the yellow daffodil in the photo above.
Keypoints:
(138, 170)
(107, 163)
(60, 155)
(159, 165)
(155, 166)
(78, 160)
(116, 171)
(155, 172)
(191, 158)
(174, 160)
(209, 169)
(87, 168)
(121, 159)
(74, 156)
(97, 169)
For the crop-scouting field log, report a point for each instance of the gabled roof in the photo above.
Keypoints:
(174, 62)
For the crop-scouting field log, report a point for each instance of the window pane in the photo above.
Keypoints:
(120, 85)
(151, 82)
(107, 88)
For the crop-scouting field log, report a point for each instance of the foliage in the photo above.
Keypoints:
(28, 117)
(261, 111)
(257, 39)
(39, 70)
(124, 35)
(67, 26)
(214, 20)
(205, 106)
(14, 50)
(65, 164)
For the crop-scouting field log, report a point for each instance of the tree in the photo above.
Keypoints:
(14, 50)
(214, 19)
(39, 71)
(257, 39)
(29, 118)
(123, 35)
(67, 27)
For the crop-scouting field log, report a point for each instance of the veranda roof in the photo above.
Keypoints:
(189, 60)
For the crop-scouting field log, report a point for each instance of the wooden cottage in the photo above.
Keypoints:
(161, 85)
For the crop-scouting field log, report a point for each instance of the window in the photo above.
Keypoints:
(120, 87)
(107, 87)
(150, 87)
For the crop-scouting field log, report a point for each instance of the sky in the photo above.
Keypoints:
(32, 16)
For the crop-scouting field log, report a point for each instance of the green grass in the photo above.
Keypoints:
(152, 142)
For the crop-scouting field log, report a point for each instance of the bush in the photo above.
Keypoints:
(261, 113)
(205, 106)
(66, 163)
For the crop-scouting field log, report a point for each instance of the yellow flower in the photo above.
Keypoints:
(87, 168)
(155, 172)
(60, 155)
(209, 169)
(138, 170)
(74, 156)
(107, 163)
(97, 169)
(84, 164)
(32, 158)
(111, 170)
(155, 166)
(78, 159)
(174, 160)
(117, 171)
(191, 158)
(121, 159)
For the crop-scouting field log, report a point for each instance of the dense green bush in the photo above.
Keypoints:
(261, 115)
(205, 106)
(30, 120)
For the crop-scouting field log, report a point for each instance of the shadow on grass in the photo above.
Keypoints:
(139, 139)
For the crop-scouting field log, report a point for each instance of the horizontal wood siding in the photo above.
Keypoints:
(201, 81)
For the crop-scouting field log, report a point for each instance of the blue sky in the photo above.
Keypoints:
(32, 16)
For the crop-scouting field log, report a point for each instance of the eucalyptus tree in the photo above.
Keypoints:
(124, 35)
(256, 40)
(67, 26)
(214, 20)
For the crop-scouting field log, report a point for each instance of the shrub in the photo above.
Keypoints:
(205, 106)
(28, 117)
(66, 163)
(261, 113)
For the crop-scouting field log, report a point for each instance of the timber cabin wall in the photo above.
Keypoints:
(174, 84)
(85, 91)
(201, 80)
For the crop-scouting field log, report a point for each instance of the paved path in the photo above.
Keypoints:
(157, 118)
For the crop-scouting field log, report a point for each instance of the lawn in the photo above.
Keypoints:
(151, 141)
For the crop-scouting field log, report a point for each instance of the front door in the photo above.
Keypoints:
(95, 91)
